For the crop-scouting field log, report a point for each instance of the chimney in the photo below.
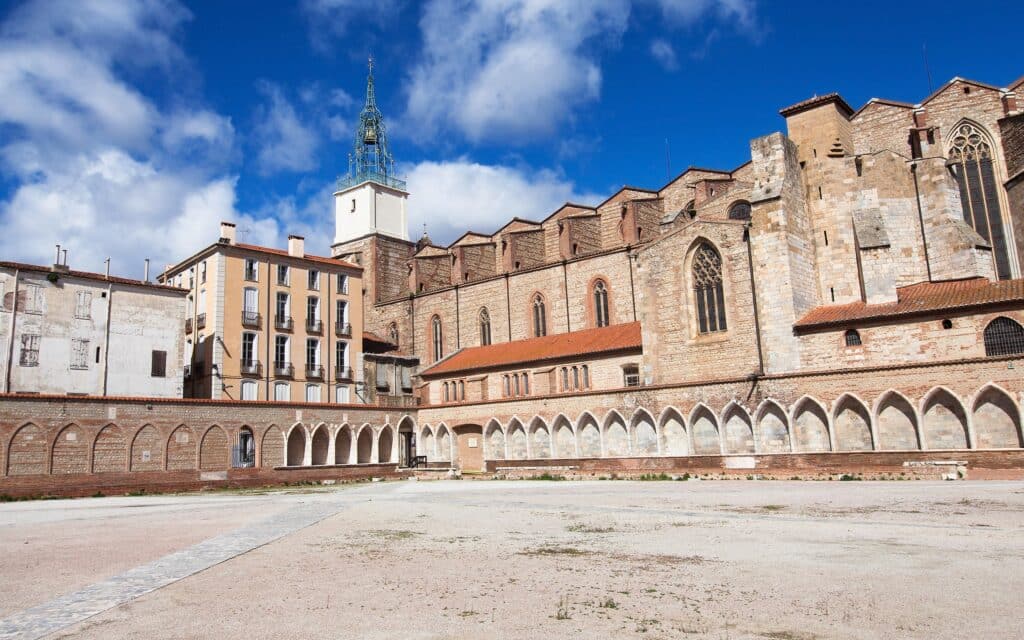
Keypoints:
(145, 277)
(227, 232)
(296, 246)
(1009, 101)
(920, 117)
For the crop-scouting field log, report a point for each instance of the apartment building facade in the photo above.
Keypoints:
(270, 324)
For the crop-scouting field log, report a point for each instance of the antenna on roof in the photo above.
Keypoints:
(243, 231)
(927, 71)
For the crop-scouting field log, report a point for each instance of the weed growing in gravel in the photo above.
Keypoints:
(773, 507)
(546, 476)
(583, 528)
(563, 609)
(649, 477)
(9, 498)
(609, 603)
(548, 550)
(847, 477)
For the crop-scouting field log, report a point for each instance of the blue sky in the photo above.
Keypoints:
(130, 128)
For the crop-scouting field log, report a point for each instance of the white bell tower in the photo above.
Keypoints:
(370, 199)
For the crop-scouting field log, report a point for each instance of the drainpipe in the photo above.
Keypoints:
(268, 335)
(10, 333)
(565, 285)
(106, 340)
(920, 219)
(632, 290)
(458, 325)
(508, 308)
(753, 293)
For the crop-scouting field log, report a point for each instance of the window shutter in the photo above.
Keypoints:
(159, 364)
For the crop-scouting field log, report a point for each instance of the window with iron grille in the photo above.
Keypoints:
(740, 211)
(158, 364)
(79, 354)
(852, 338)
(631, 375)
(708, 291)
(1004, 337)
(29, 351)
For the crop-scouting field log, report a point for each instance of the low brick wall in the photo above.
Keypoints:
(1008, 464)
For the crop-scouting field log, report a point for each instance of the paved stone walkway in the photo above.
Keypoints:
(72, 608)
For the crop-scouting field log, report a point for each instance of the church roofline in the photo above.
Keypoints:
(955, 80)
(817, 101)
(886, 102)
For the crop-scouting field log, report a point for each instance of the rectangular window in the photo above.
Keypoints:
(342, 283)
(282, 305)
(79, 354)
(249, 390)
(282, 274)
(526, 384)
(3, 302)
(312, 393)
(282, 392)
(312, 352)
(341, 354)
(202, 272)
(631, 375)
(565, 379)
(158, 364)
(406, 379)
(248, 349)
(342, 312)
(312, 309)
(251, 300)
(313, 280)
(29, 351)
(382, 376)
(280, 351)
(341, 395)
(33, 298)
(252, 272)
(83, 304)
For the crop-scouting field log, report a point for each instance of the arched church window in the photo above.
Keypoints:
(852, 338)
(971, 161)
(600, 304)
(1004, 337)
(435, 327)
(740, 211)
(540, 324)
(485, 327)
(708, 290)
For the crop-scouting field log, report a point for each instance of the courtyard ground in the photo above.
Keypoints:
(528, 559)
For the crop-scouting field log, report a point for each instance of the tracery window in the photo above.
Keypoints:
(540, 325)
(485, 327)
(708, 290)
(970, 159)
(600, 304)
(740, 211)
(435, 326)
(1003, 337)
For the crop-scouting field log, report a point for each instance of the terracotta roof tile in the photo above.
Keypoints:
(815, 101)
(281, 252)
(92, 276)
(618, 337)
(924, 298)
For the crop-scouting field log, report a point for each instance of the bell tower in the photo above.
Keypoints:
(370, 199)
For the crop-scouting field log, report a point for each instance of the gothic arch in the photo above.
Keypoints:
(109, 451)
(563, 438)
(444, 443)
(343, 444)
(738, 428)
(70, 451)
(427, 445)
(588, 436)
(147, 451)
(516, 440)
(811, 432)
(896, 423)
(494, 441)
(704, 431)
(944, 421)
(705, 280)
(644, 433)
(772, 428)
(615, 435)
(272, 448)
(995, 419)
(851, 421)
(539, 443)
(320, 444)
(181, 449)
(214, 451)
(364, 444)
(385, 445)
(295, 450)
(673, 433)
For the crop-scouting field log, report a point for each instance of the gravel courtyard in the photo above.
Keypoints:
(529, 559)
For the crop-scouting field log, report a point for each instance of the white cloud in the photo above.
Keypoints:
(330, 19)
(517, 70)
(453, 197)
(285, 142)
(97, 165)
(664, 54)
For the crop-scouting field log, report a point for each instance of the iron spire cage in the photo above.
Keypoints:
(371, 160)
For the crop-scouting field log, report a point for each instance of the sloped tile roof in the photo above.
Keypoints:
(334, 262)
(588, 342)
(815, 101)
(923, 298)
(92, 276)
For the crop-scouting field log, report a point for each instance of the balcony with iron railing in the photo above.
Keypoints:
(251, 318)
(284, 370)
(283, 323)
(370, 175)
(188, 325)
(314, 325)
(342, 374)
(250, 367)
(201, 321)
(314, 372)
(342, 328)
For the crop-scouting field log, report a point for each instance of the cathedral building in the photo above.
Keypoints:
(854, 286)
